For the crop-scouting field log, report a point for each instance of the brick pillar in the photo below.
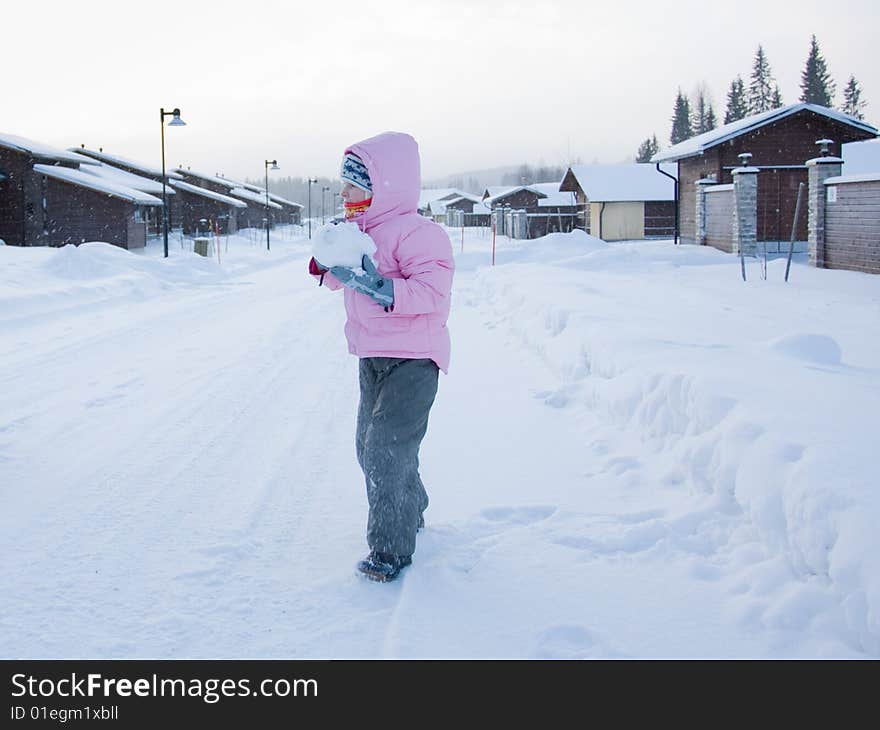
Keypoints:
(701, 209)
(745, 210)
(819, 170)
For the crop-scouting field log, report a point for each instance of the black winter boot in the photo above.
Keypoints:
(383, 567)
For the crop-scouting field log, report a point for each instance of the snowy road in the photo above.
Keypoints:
(178, 479)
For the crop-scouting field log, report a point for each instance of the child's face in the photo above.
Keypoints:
(353, 194)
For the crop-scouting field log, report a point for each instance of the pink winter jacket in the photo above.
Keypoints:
(414, 252)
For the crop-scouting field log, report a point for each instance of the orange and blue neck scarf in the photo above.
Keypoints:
(355, 209)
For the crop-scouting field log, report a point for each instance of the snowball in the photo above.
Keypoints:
(343, 244)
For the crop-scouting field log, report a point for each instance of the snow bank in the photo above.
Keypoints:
(738, 403)
(39, 280)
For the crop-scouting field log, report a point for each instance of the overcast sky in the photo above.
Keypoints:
(479, 84)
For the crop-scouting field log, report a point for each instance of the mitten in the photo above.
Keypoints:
(370, 282)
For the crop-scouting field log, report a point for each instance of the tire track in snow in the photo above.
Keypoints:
(142, 509)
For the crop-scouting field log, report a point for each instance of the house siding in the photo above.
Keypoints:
(788, 142)
(852, 227)
(75, 214)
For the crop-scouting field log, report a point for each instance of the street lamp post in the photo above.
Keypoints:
(324, 189)
(175, 122)
(311, 180)
(274, 164)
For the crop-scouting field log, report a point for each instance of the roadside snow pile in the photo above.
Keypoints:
(38, 280)
(740, 407)
(818, 349)
(343, 244)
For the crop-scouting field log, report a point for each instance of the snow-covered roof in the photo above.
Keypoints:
(114, 174)
(40, 150)
(861, 157)
(843, 179)
(555, 197)
(437, 207)
(481, 209)
(429, 194)
(210, 178)
(205, 193)
(459, 195)
(497, 191)
(118, 161)
(245, 194)
(98, 184)
(506, 192)
(697, 145)
(230, 183)
(284, 201)
(622, 183)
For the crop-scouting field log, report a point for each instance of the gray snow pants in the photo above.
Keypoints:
(396, 397)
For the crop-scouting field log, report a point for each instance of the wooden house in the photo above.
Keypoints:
(79, 207)
(205, 180)
(47, 199)
(153, 215)
(473, 212)
(547, 209)
(279, 209)
(141, 170)
(254, 216)
(21, 198)
(197, 204)
(780, 142)
(622, 202)
(291, 212)
(429, 195)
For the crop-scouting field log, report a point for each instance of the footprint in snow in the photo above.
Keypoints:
(518, 515)
(571, 641)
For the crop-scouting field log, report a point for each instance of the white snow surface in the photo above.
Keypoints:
(210, 194)
(624, 183)
(40, 150)
(122, 177)
(342, 244)
(107, 185)
(635, 455)
(118, 161)
(253, 197)
(208, 177)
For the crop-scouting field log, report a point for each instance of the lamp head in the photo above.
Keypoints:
(176, 121)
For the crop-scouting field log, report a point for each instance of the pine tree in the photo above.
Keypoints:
(852, 99)
(711, 120)
(817, 87)
(648, 149)
(704, 116)
(737, 107)
(776, 99)
(681, 120)
(761, 85)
